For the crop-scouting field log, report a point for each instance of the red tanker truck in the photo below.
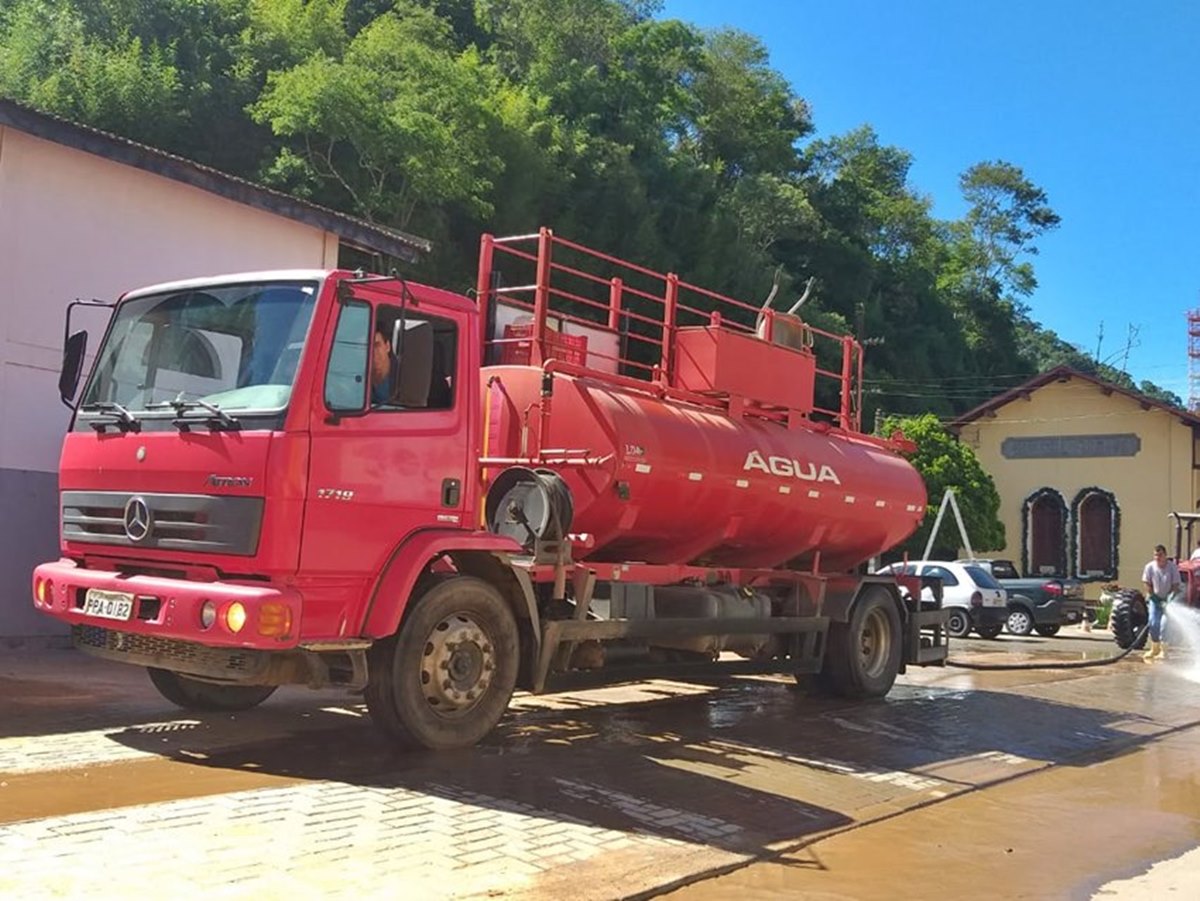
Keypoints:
(590, 472)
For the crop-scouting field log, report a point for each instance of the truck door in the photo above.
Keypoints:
(389, 440)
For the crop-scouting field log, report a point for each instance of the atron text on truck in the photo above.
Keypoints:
(590, 472)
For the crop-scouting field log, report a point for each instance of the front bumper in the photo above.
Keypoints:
(171, 608)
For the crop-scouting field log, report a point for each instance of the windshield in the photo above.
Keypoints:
(981, 577)
(235, 347)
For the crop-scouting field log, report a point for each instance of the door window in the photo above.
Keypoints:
(346, 378)
(394, 360)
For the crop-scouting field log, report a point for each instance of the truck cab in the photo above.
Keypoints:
(235, 439)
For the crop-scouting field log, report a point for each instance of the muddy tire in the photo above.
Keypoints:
(192, 694)
(862, 657)
(445, 679)
(958, 622)
(1047, 631)
(1128, 619)
(990, 631)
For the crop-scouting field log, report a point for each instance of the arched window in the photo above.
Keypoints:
(1044, 522)
(1096, 520)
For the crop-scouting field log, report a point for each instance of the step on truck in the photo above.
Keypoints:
(590, 472)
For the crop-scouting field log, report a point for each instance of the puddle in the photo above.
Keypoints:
(1060, 833)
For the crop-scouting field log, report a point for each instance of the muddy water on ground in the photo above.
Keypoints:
(1060, 833)
(35, 795)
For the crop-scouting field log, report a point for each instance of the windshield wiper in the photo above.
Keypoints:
(123, 419)
(216, 418)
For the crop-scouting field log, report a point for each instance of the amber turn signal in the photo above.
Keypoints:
(274, 619)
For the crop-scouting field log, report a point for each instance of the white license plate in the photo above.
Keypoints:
(108, 604)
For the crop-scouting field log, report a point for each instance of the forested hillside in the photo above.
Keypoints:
(679, 148)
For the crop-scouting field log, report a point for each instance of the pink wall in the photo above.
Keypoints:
(74, 225)
(77, 225)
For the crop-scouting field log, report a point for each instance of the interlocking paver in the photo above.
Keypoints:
(593, 803)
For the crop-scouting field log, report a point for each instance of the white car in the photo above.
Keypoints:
(974, 599)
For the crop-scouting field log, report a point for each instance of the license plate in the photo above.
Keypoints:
(108, 604)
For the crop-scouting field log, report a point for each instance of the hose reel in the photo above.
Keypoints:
(530, 506)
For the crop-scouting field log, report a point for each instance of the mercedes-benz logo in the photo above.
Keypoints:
(138, 521)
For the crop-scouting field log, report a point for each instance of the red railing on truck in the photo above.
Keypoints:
(597, 315)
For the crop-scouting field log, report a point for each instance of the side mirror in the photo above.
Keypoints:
(72, 367)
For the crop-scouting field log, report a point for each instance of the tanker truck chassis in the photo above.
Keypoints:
(591, 473)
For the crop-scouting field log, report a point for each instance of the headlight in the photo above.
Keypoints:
(208, 615)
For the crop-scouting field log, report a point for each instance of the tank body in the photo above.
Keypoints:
(680, 483)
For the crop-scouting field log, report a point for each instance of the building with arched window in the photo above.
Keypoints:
(1088, 473)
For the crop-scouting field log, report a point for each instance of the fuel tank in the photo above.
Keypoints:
(673, 482)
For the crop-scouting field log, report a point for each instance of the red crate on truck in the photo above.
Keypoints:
(518, 343)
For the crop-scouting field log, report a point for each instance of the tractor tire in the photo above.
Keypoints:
(1049, 630)
(990, 631)
(1128, 619)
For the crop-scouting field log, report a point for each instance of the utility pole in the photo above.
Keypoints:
(1099, 342)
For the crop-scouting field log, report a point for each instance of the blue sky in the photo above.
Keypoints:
(1098, 102)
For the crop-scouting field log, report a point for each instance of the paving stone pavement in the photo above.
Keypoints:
(591, 795)
(318, 840)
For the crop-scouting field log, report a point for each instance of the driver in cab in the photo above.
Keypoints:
(383, 367)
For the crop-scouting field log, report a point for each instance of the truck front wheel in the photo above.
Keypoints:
(862, 657)
(193, 694)
(445, 679)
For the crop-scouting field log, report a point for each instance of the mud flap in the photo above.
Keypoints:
(925, 638)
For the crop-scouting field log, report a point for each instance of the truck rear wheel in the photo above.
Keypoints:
(445, 679)
(862, 657)
(193, 694)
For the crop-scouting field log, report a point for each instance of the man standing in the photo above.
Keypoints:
(1161, 578)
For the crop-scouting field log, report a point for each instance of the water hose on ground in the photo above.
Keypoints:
(1070, 664)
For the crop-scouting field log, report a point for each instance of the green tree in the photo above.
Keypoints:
(395, 128)
(945, 462)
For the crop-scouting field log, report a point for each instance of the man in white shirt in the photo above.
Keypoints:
(1196, 551)
(1161, 578)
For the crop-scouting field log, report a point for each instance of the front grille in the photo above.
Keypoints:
(235, 664)
(180, 522)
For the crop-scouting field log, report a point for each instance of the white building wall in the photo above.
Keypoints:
(75, 225)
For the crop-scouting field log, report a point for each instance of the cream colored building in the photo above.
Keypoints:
(1087, 472)
(84, 214)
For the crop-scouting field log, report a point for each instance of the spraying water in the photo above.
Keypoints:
(1183, 639)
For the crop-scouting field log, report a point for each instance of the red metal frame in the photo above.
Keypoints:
(646, 310)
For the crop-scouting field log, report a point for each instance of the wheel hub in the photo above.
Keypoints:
(457, 666)
(874, 642)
